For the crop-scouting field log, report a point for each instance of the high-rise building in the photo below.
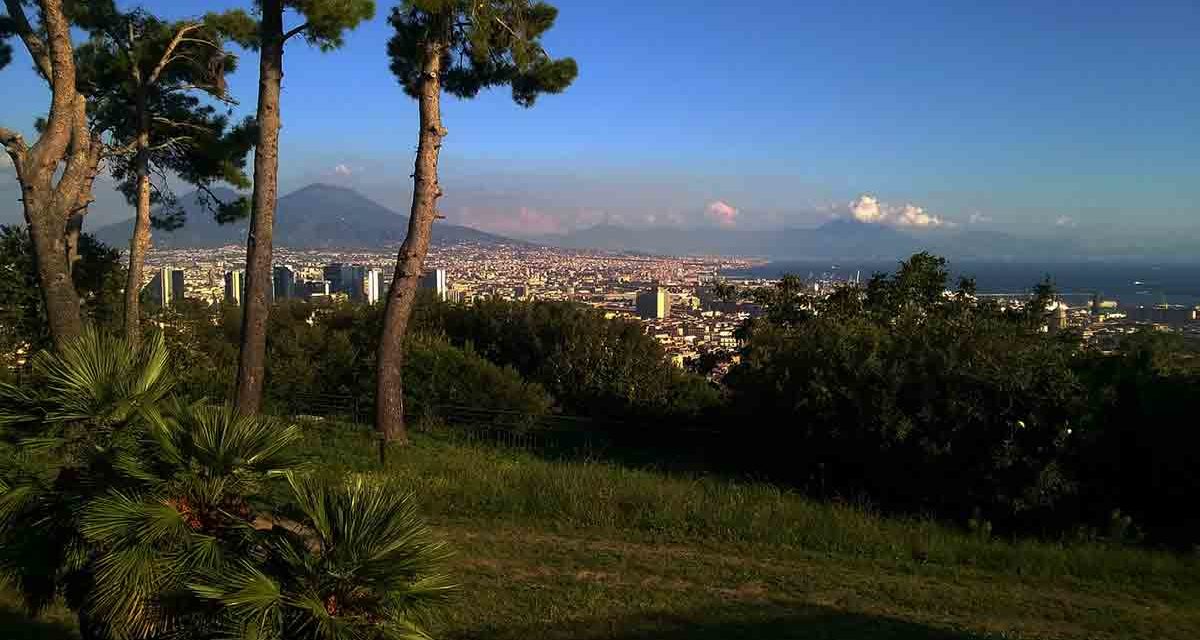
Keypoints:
(435, 281)
(317, 289)
(235, 286)
(283, 283)
(374, 289)
(655, 303)
(347, 279)
(166, 287)
(333, 275)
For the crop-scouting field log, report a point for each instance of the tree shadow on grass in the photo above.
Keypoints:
(745, 621)
(17, 625)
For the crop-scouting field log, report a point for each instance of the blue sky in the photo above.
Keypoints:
(1032, 117)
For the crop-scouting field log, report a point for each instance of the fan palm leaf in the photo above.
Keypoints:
(356, 563)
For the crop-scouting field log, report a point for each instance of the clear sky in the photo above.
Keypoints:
(1031, 117)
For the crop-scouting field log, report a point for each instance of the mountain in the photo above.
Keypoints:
(837, 240)
(317, 216)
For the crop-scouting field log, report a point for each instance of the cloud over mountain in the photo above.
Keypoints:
(870, 210)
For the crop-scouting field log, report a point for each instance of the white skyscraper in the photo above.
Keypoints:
(166, 287)
(435, 281)
(235, 286)
(373, 290)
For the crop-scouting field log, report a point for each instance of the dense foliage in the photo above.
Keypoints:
(156, 518)
(595, 367)
(99, 279)
(924, 401)
(321, 359)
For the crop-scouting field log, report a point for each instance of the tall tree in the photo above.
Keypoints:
(461, 47)
(56, 172)
(324, 23)
(144, 77)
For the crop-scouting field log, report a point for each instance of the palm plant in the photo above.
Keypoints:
(355, 563)
(157, 519)
(192, 511)
(63, 441)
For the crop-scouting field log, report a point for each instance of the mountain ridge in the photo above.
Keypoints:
(317, 216)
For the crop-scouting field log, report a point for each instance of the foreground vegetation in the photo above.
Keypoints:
(555, 549)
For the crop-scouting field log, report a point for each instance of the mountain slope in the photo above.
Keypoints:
(317, 216)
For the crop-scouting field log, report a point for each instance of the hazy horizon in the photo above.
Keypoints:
(910, 116)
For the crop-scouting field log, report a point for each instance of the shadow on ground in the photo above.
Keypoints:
(16, 625)
(732, 622)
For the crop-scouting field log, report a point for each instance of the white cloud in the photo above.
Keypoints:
(342, 170)
(867, 209)
(724, 213)
(870, 210)
(913, 216)
(1064, 221)
(979, 218)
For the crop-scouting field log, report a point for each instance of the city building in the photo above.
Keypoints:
(235, 286)
(347, 279)
(166, 287)
(317, 289)
(374, 288)
(653, 304)
(283, 283)
(435, 281)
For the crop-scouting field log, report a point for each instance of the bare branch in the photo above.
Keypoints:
(167, 55)
(176, 141)
(181, 125)
(37, 48)
(298, 30)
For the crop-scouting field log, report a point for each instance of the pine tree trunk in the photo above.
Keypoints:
(255, 302)
(139, 244)
(48, 233)
(389, 392)
(48, 203)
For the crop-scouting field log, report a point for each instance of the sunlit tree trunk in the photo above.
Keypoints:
(256, 301)
(389, 393)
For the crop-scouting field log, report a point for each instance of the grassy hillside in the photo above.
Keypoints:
(590, 550)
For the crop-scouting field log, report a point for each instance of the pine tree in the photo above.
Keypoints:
(144, 77)
(460, 47)
(57, 171)
(324, 25)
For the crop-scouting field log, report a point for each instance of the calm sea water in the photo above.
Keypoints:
(1131, 284)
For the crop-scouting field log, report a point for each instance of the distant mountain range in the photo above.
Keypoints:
(837, 239)
(317, 216)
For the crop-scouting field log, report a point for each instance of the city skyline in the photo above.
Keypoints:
(1068, 124)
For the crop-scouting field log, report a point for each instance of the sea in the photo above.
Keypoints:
(1130, 284)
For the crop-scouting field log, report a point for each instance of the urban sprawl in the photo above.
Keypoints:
(671, 296)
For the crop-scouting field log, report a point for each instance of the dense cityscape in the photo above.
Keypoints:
(671, 296)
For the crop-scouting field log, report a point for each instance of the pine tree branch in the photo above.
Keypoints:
(298, 30)
(37, 48)
(168, 54)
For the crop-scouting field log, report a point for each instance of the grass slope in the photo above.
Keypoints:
(591, 550)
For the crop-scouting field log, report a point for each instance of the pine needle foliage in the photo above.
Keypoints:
(483, 45)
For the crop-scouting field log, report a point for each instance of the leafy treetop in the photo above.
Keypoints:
(483, 44)
(324, 25)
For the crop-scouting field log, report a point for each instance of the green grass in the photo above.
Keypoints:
(551, 549)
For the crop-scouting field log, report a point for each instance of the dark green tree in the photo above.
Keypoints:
(323, 24)
(98, 278)
(460, 47)
(144, 78)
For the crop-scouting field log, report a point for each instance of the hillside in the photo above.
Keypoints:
(317, 216)
(584, 550)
